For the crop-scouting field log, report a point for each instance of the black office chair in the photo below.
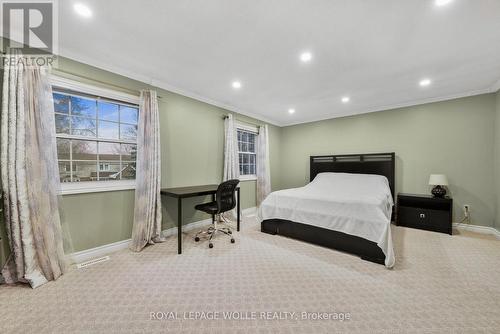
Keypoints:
(225, 200)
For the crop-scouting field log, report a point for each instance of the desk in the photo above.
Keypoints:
(186, 192)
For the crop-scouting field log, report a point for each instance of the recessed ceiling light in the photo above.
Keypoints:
(346, 99)
(441, 3)
(306, 57)
(236, 84)
(425, 82)
(291, 111)
(82, 10)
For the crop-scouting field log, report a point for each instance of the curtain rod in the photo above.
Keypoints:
(257, 125)
(132, 91)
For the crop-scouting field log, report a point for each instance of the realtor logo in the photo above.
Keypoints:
(29, 26)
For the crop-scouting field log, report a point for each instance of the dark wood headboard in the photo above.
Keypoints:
(372, 163)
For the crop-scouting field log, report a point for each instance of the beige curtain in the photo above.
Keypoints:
(231, 157)
(30, 176)
(147, 211)
(263, 168)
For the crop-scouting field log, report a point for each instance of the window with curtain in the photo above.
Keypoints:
(96, 137)
(247, 151)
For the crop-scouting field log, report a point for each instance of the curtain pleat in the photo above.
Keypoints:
(231, 156)
(263, 166)
(147, 210)
(30, 176)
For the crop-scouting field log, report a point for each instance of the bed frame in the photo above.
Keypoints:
(373, 163)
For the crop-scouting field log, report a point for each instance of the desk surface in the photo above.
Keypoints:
(190, 191)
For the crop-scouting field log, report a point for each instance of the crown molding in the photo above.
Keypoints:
(168, 87)
(496, 87)
(398, 105)
(161, 84)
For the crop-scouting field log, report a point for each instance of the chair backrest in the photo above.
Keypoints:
(225, 197)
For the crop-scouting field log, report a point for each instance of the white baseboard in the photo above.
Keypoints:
(477, 229)
(103, 250)
(87, 254)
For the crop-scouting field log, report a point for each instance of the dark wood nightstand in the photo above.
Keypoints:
(425, 212)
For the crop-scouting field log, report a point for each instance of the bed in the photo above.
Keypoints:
(347, 206)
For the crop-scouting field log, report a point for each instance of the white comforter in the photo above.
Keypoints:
(356, 204)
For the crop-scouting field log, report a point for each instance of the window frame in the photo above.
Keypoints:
(253, 129)
(68, 188)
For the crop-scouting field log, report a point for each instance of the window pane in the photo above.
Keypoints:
(65, 171)
(83, 126)
(252, 169)
(63, 146)
(109, 170)
(108, 130)
(239, 135)
(84, 171)
(251, 147)
(61, 103)
(109, 151)
(245, 170)
(244, 136)
(83, 107)
(252, 159)
(62, 124)
(84, 150)
(129, 152)
(108, 111)
(128, 114)
(128, 171)
(245, 158)
(128, 131)
(244, 147)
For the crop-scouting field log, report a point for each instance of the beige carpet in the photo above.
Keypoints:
(440, 284)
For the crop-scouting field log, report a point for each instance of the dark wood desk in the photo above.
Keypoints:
(186, 192)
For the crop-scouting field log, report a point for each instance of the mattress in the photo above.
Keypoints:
(355, 204)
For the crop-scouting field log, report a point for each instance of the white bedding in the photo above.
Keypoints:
(356, 204)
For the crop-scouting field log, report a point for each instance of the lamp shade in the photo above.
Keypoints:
(438, 180)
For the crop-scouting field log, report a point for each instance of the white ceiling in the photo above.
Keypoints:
(375, 51)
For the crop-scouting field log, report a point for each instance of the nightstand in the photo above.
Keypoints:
(425, 212)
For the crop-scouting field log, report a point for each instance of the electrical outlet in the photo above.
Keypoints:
(466, 210)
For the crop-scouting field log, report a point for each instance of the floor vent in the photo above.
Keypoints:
(92, 262)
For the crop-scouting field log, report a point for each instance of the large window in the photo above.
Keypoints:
(96, 137)
(247, 152)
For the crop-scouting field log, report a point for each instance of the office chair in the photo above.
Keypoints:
(225, 200)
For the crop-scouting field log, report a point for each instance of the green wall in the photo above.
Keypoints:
(497, 159)
(192, 140)
(460, 138)
(453, 137)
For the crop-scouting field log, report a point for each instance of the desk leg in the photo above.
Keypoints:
(179, 225)
(238, 210)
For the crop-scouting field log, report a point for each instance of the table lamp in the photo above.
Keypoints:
(439, 181)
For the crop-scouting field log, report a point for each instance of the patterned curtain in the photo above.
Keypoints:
(231, 160)
(147, 211)
(263, 169)
(30, 176)
(231, 157)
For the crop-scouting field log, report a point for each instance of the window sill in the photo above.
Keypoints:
(95, 187)
(248, 178)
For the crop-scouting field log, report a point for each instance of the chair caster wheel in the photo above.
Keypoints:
(232, 240)
(210, 245)
(197, 239)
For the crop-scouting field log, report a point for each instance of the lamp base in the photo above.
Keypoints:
(438, 191)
